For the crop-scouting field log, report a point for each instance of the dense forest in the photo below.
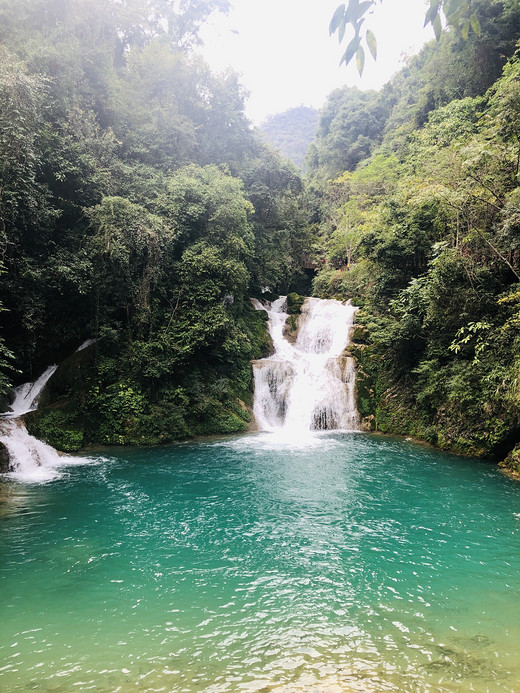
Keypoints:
(140, 210)
(292, 133)
(417, 203)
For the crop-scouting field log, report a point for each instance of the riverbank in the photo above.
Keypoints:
(74, 425)
(396, 401)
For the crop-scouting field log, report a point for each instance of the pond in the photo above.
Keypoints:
(345, 562)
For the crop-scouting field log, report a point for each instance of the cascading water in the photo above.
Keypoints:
(26, 396)
(30, 458)
(309, 385)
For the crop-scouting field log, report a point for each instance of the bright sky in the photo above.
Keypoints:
(283, 52)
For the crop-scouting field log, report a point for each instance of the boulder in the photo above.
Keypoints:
(4, 459)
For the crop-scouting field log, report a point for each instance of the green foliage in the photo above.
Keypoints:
(60, 428)
(423, 234)
(282, 235)
(294, 303)
(291, 133)
(458, 14)
(353, 14)
(350, 125)
(137, 206)
(511, 464)
(136, 203)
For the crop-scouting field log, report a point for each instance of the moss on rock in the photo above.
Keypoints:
(512, 462)
(295, 303)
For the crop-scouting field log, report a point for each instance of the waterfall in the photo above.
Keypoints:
(26, 396)
(30, 459)
(308, 385)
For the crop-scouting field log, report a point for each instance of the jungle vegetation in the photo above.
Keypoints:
(291, 133)
(417, 202)
(139, 209)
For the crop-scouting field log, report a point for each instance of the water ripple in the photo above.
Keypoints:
(352, 564)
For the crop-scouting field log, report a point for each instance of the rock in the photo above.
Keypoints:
(5, 400)
(70, 376)
(290, 329)
(4, 459)
(294, 303)
(512, 462)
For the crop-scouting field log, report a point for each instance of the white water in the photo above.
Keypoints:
(86, 343)
(30, 458)
(309, 385)
(26, 396)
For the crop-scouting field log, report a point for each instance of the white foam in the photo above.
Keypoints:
(32, 460)
(308, 385)
(26, 396)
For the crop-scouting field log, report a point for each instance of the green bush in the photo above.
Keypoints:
(294, 303)
(57, 427)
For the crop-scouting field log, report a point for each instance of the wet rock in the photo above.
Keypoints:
(4, 459)
(71, 376)
(294, 303)
(290, 329)
(512, 462)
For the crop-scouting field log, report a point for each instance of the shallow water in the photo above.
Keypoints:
(347, 563)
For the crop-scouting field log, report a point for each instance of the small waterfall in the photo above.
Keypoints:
(26, 396)
(30, 458)
(309, 385)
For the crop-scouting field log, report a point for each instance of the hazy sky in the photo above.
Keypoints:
(285, 56)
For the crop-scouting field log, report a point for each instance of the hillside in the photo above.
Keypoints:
(138, 209)
(420, 225)
(291, 133)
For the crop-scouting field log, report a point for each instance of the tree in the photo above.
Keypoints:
(22, 199)
(351, 125)
(292, 132)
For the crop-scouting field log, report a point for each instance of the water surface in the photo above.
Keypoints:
(347, 563)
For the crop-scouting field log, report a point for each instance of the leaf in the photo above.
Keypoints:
(434, 6)
(432, 12)
(360, 60)
(437, 27)
(341, 30)
(475, 24)
(455, 6)
(456, 11)
(362, 8)
(371, 43)
(338, 15)
(351, 50)
(465, 30)
(357, 27)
